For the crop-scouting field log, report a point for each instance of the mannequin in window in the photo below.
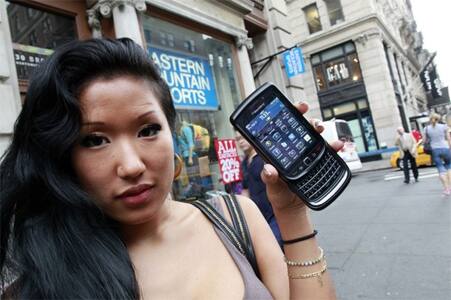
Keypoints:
(186, 142)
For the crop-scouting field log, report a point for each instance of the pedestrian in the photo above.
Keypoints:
(85, 196)
(253, 185)
(407, 152)
(437, 136)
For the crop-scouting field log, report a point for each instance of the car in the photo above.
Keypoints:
(337, 129)
(422, 159)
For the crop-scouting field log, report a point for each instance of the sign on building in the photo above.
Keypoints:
(190, 79)
(294, 62)
(431, 82)
(228, 159)
(27, 58)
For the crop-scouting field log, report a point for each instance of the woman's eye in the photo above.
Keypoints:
(149, 130)
(93, 141)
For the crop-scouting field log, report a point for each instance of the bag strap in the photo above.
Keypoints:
(240, 225)
(240, 238)
(219, 221)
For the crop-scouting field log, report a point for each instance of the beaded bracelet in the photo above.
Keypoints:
(291, 263)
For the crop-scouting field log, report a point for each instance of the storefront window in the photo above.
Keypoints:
(368, 129)
(35, 33)
(320, 81)
(332, 53)
(336, 66)
(357, 115)
(344, 108)
(327, 113)
(337, 72)
(355, 66)
(200, 72)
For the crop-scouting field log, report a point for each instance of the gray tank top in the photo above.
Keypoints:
(253, 287)
(437, 135)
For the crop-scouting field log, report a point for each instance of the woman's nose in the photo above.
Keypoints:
(130, 163)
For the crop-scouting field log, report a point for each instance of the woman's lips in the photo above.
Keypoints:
(136, 196)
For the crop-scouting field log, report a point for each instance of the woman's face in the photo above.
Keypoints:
(124, 158)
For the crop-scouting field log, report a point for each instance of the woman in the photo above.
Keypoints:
(437, 135)
(85, 196)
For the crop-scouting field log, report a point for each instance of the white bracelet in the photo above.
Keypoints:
(305, 263)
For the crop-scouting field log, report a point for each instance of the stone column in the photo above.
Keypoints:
(397, 73)
(125, 17)
(243, 44)
(10, 104)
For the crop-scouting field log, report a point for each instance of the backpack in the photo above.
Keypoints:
(201, 138)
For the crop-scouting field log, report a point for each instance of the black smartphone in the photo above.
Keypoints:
(285, 139)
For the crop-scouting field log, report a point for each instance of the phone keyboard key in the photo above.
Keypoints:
(324, 176)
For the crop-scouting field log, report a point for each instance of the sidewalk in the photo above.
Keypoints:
(374, 165)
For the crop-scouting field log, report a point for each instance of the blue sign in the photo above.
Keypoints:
(190, 79)
(294, 63)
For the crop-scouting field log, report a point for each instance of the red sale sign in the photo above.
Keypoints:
(229, 161)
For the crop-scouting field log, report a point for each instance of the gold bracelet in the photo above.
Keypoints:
(308, 263)
(317, 274)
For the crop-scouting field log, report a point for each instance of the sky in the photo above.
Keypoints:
(434, 21)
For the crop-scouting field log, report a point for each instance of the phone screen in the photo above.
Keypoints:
(284, 137)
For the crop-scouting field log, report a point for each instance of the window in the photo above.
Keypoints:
(356, 73)
(33, 39)
(335, 11)
(48, 24)
(190, 46)
(171, 42)
(337, 72)
(35, 27)
(148, 35)
(163, 39)
(203, 84)
(336, 66)
(312, 18)
(320, 80)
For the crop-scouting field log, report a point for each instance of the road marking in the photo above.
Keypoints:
(421, 175)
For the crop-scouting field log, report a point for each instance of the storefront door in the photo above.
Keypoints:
(358, 116)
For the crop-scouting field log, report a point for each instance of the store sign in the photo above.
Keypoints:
(431, 83)
(190, 79)
(337, 72)
(27, 58)
(228, 159)
(426, 80)
(294, 63)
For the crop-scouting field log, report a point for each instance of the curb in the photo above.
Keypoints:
(372, 169)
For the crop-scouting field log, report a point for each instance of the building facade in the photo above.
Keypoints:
(363, 59)
(204, 49)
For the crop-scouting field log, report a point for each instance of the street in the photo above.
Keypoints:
(385, 239)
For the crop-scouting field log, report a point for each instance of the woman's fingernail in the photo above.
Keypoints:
(266, 170)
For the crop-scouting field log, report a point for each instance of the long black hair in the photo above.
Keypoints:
(54, 240)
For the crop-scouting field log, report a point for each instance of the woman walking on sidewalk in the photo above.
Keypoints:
(437, 135)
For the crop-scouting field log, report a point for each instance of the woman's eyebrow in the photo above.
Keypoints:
(143, 115)
(93, 123)
(99, 123)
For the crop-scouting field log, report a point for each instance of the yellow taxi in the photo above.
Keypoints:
(422, 159)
